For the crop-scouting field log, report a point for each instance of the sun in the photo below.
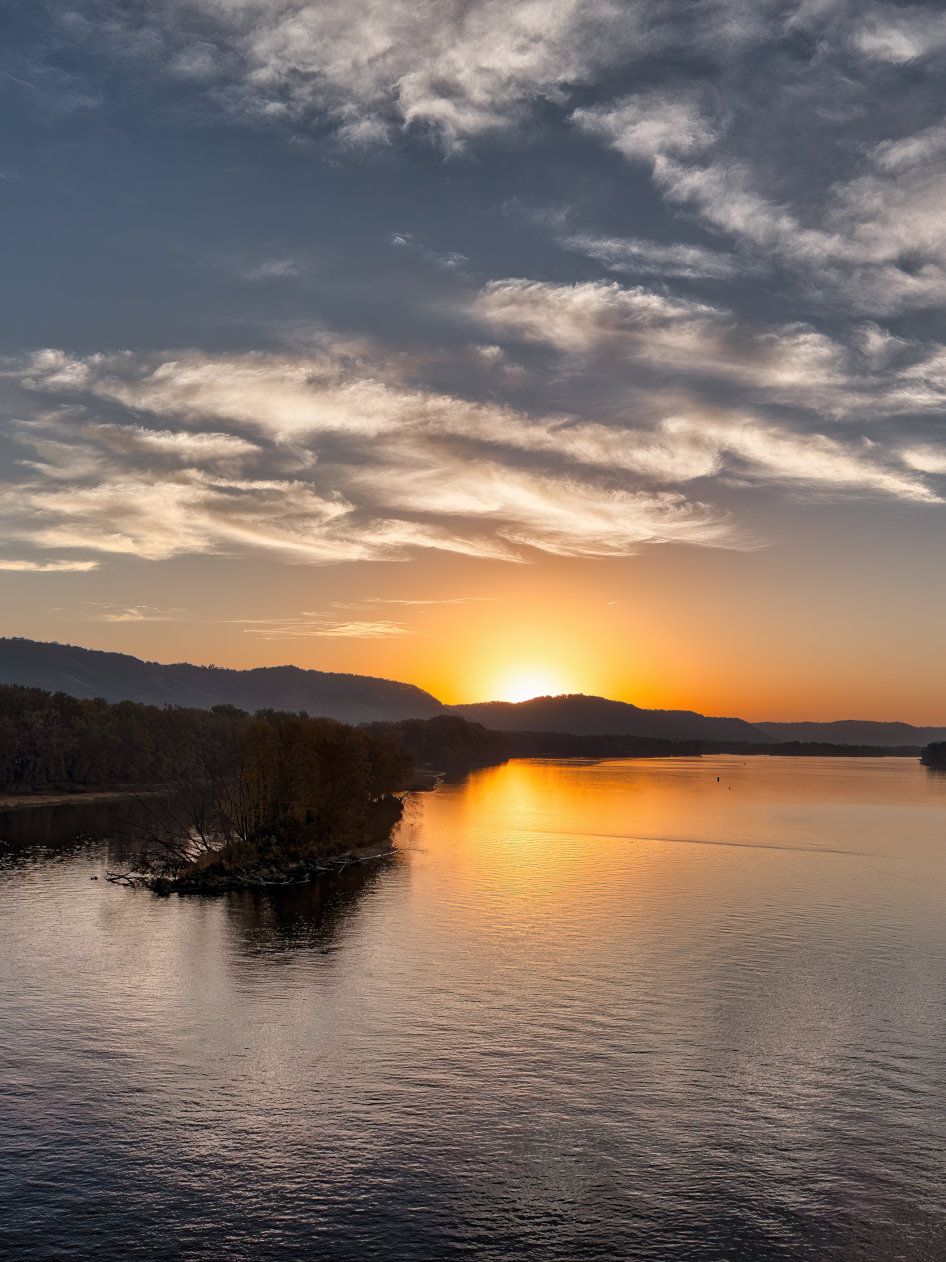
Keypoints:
(522, 683)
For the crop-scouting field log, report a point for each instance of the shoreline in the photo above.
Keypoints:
(21, 801)
(211, 883)
(426, 778)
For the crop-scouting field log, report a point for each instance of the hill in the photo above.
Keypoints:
(595, 716)
(85, 673)
(119, 677)
(855, 732)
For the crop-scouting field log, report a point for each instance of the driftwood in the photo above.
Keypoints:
(128, 879)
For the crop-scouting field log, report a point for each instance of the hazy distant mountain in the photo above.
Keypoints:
(120, 677)
(855, 732)
(594, 716)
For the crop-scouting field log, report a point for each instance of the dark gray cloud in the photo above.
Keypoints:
(492, 278)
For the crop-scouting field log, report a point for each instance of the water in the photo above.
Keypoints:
(617, 1010)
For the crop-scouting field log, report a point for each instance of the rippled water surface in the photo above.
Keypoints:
(615, 1010)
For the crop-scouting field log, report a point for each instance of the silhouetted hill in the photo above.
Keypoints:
(855, 732)
(120, 677)
(594, 716)
(84, 672)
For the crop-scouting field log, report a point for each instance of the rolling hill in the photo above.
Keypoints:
(120, 677)
(595, 716)
(85, 672)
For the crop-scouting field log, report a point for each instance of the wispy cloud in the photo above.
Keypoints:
(634, 256)
(650, 125)
(97, 611)
(451, 260)
(434, 601)
(444, 473)
(47, 567)
(440, 473)
(317, 626)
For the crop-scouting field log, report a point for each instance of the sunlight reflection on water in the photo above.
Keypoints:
(612, 1010)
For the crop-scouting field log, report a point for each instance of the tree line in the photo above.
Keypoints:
(271, 790)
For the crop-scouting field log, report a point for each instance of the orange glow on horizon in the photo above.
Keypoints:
(722, 634)
(522, 683)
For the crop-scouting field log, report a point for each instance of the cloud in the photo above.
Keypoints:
(306, 625)
(196, 448)
(582, 316)
(673, 338)
(372, 68)
(909, 151)
(439, 472)
(450, 260)
(562, 515)
(756, 117)
(803, 175)
(900, 34)
(637, 257)
(317, 626)
(47, 567)
(764, 452)
(268, 269)
(338, 455)
(649, 125)
(369, 601)
(926, 458)
(95, 611)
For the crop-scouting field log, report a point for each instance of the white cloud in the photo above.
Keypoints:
(343, 466)
(583, 316)
(651, 124)
(47, 567)
(439, 472)
(769, 453)
(679, 338)
(372, 67)
(910, 151)
(309, 626)
(926, 458)
(868, 233)
(563, 515)
(192, 447)
(900, 34)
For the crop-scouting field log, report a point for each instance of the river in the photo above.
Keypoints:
(680, 1009)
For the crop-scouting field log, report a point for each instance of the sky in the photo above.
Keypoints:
(501, 347)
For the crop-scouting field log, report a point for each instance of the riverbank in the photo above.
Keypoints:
(74, 797)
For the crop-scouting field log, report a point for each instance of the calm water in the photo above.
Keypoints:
(618, 1010)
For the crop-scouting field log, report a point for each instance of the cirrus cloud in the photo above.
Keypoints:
(314, 460)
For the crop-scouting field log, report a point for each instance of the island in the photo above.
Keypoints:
(227, 798)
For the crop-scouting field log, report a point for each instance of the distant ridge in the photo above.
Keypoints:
(120, 677)
(85, 672)
(595, 716)
(855, 732)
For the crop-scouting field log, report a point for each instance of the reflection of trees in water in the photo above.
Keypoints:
(297, 917)
(73, 824)
(303, 917)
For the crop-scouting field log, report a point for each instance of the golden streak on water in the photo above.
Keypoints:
(659, 1009)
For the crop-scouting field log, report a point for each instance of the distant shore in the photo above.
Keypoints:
(74, 797)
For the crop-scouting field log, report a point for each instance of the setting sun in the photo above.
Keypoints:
(521, 683)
